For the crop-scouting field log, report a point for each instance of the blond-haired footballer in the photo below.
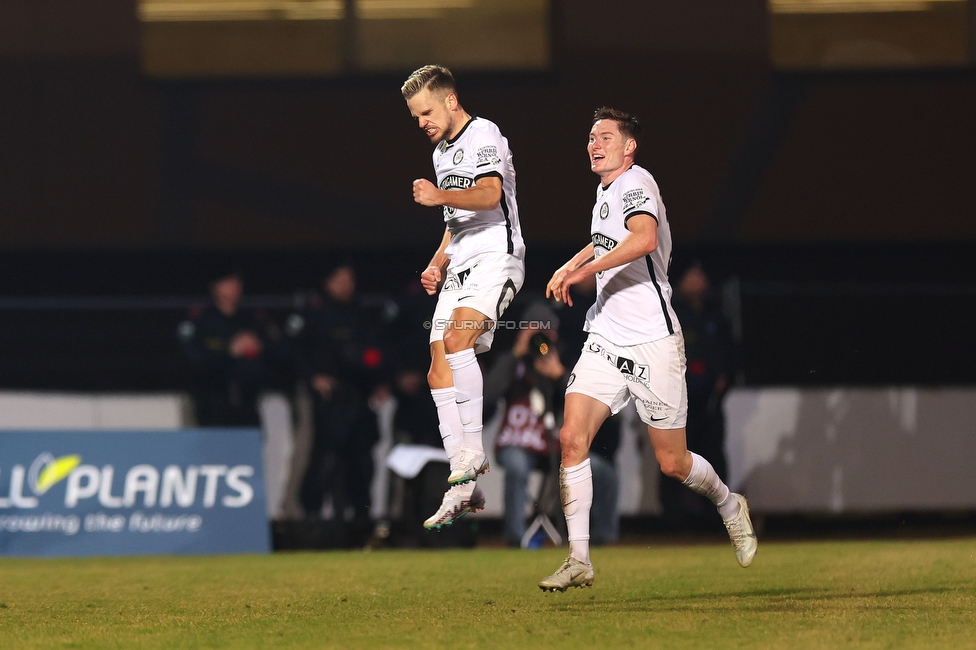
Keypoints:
(634, 349)
(477, 270)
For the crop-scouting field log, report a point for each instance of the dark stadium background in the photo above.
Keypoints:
(843, 203)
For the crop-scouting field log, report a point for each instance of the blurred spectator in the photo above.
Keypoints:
(531, 377)
(416, 416)
(229, 351)
(709, 349)
(532, 380)
(340, 356)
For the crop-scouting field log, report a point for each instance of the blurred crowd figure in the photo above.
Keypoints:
(230, 352)
(711, 361)
(339, 357)
(350, 357)
(530, 378)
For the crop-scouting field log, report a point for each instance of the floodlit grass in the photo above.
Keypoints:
(880, 594)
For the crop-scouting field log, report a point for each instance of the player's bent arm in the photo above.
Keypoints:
(578, 260)
(485, 194)
(641, 241)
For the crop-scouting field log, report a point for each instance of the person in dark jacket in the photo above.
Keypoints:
(340, 357)
(228, 350)
(709, 349)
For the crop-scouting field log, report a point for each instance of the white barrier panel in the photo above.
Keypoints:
(852, 450)
(23, 410)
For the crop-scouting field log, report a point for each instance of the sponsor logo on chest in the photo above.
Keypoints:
(455, 182)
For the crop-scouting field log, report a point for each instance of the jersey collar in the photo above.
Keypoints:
(607, 186)
(463, 129)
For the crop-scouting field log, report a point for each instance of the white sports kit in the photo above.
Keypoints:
(635, 348)
(486, 249)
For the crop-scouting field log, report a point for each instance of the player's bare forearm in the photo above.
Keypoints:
(485, 194)
(555, 283)
(440, 259)
(433, 275)
(578, 260)
(641, 241)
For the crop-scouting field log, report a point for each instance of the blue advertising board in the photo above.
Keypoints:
(85, 493)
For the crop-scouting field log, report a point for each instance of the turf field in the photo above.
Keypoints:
(864, 594)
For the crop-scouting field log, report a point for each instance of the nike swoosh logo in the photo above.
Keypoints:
(654, 419)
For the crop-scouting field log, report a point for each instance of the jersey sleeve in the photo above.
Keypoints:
(637, 196)
(490, 152)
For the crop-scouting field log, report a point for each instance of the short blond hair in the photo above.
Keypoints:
(429, 77)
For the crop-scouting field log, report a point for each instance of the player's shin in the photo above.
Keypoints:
(576, 492)
(705, 481)
(449, 422)
(469, 394)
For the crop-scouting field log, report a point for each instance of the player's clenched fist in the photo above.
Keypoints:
(425, 192)
(430, 279)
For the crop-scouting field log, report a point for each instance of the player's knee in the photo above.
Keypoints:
(573, 445)
(438, 377)
(671, 465)
(455, 341)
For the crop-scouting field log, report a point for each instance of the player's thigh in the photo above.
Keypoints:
(656, 380)
(466, 325)
(582, 417)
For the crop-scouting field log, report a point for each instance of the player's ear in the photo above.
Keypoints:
(630, 147)
(451, 100)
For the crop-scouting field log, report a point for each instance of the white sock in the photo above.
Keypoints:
(706, 482)
(449, 422)
(576, 485)
(469, 390)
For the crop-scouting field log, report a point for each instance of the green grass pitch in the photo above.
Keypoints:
(827, 594)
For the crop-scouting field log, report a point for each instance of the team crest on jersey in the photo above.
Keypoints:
(630, 369)
(458, 156)
(604, 211)
(488, 155)
(634, 198)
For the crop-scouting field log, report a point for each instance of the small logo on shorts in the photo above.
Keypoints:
(647, 409)
(572, 378)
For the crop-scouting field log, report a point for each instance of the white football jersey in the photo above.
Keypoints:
(479, 150)
(633, 301)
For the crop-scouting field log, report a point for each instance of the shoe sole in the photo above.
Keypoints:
(472, 508)
(552, 590)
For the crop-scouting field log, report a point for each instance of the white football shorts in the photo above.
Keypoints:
(486, 283)
(653, 374)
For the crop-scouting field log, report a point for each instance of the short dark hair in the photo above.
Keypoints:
(627, 123)
(430, 77)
